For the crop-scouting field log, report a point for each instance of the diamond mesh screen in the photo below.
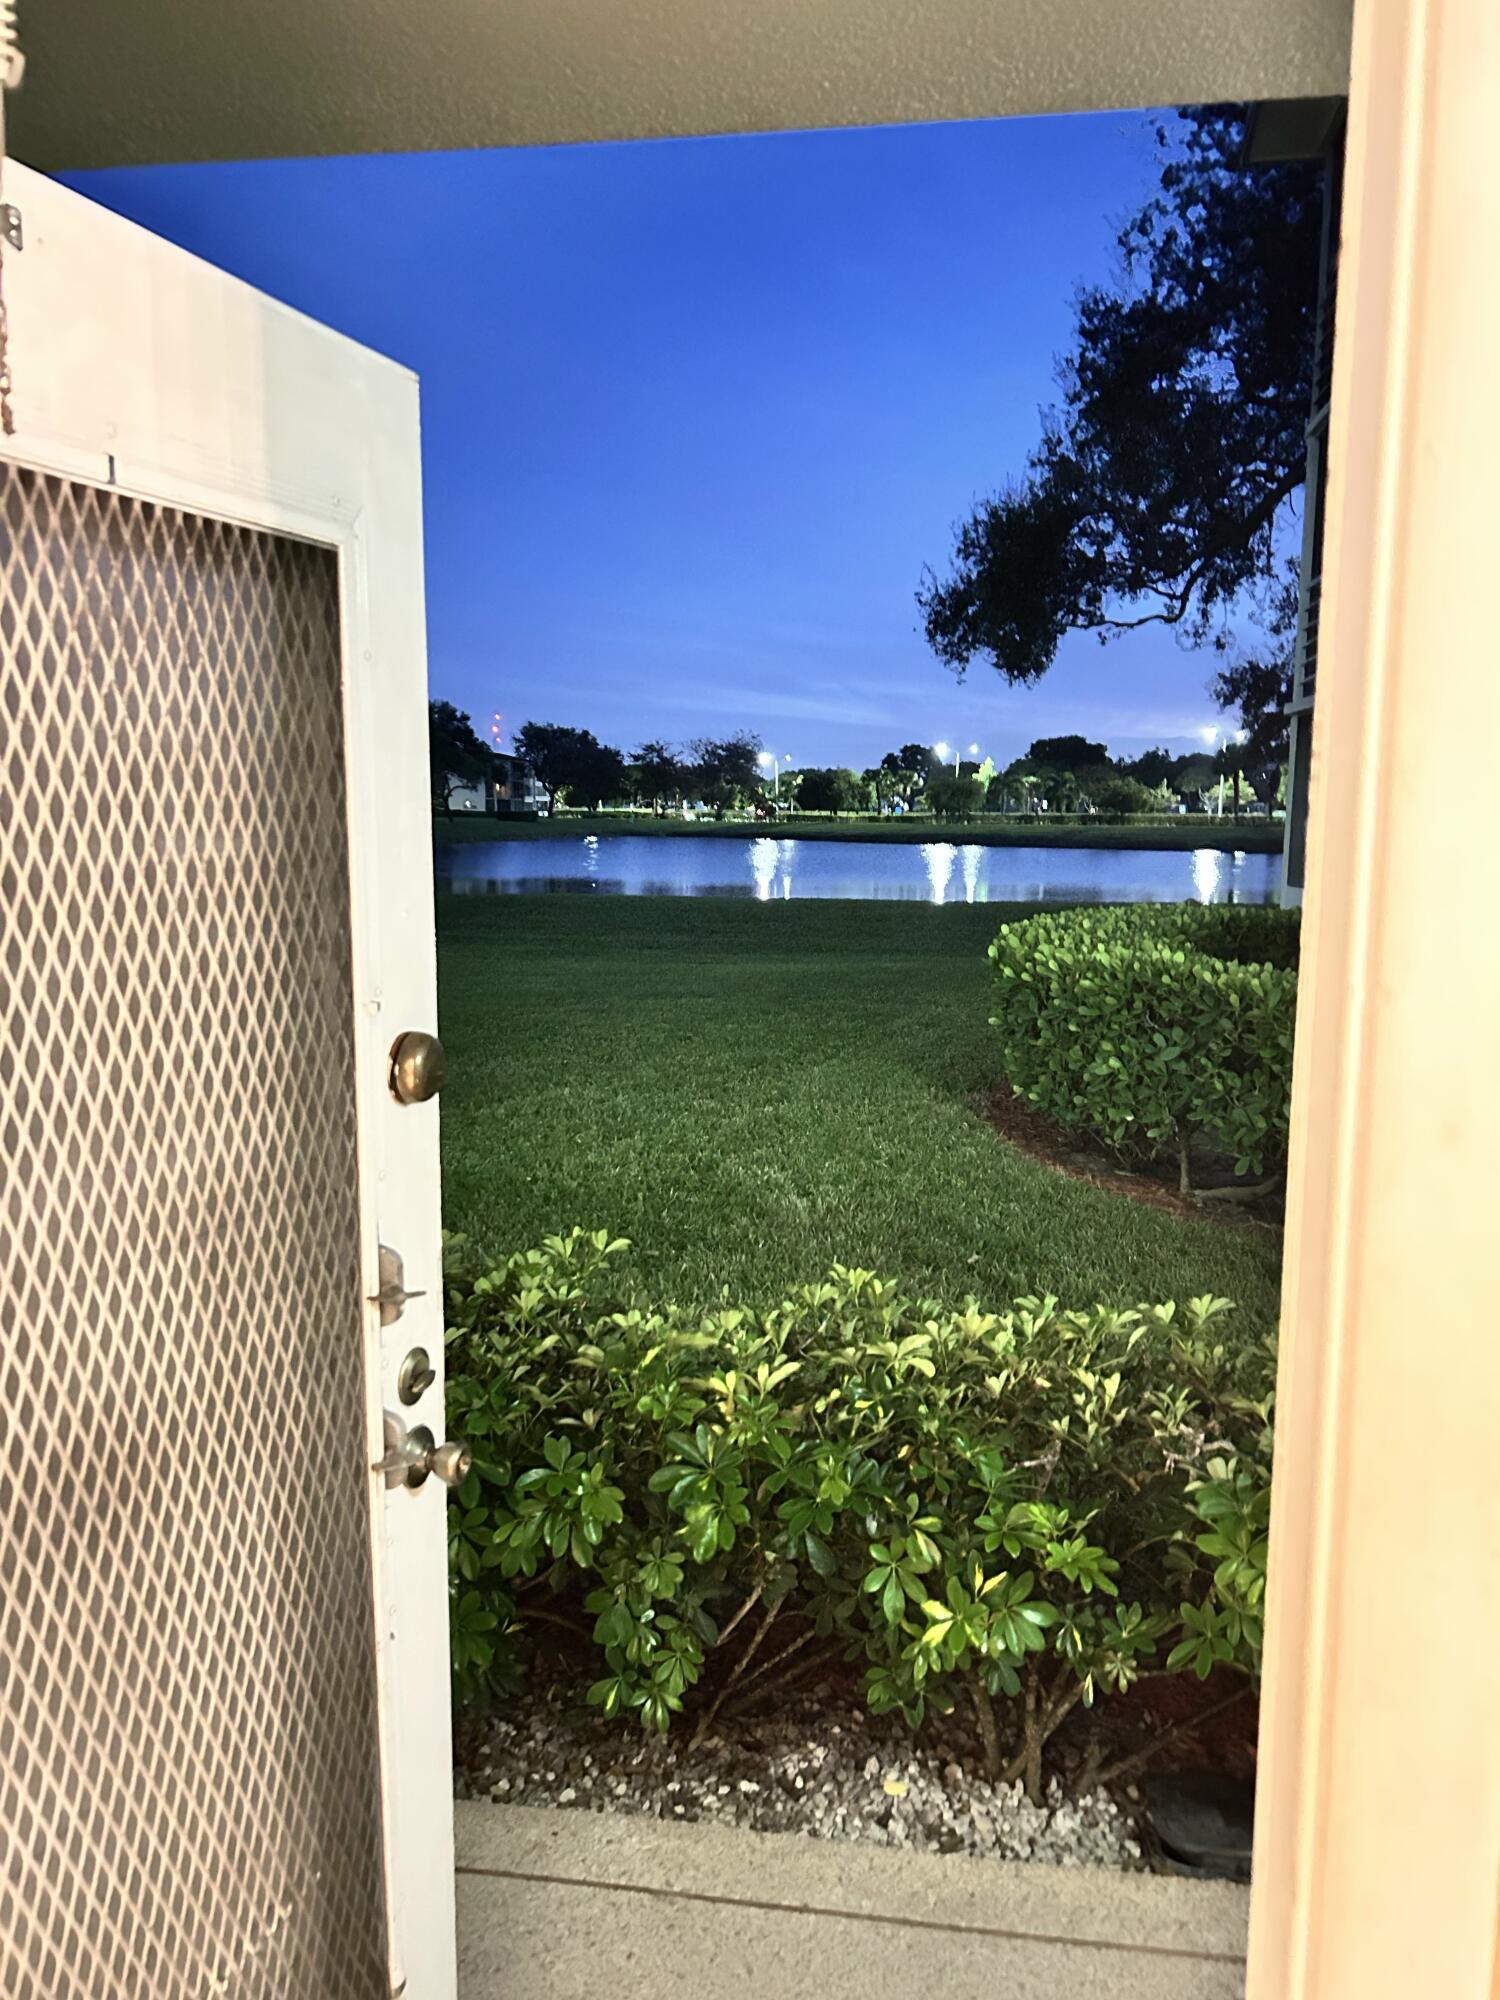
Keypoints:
(189, 1788)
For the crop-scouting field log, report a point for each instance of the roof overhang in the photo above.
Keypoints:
(111, 83)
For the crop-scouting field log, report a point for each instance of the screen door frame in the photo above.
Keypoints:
(139, 368)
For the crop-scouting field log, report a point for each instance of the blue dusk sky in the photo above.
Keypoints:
(696, 412)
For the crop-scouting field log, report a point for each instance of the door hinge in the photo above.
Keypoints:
(10, 226)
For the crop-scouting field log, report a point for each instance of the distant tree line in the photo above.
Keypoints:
(721, 772)
(1070, 774)
(1059, 774)
(573, 767)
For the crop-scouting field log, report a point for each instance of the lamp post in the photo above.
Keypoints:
(1221, 738)
(775, 763)
(943, 751)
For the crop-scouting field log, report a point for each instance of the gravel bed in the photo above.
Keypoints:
(818, 1766)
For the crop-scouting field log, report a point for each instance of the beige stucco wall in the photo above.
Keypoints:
(191, 79)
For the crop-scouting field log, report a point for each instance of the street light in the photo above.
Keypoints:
(1213, 737)
(765, 758)
(943, 752)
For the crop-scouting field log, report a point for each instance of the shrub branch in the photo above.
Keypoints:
(736, 1675)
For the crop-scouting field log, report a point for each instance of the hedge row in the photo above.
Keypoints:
(1153, 1028)
(1030, 1506)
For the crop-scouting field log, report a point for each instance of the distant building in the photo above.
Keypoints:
(509, 791)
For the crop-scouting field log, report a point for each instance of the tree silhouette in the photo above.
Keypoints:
(456, 756)
(1155, 493)
(660, 775)
(573, 761)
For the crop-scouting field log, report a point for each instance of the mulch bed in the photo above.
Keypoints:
(1217, 1719)
(1152, 1184)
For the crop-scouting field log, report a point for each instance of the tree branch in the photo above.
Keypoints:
(735, 1675)
(1237, 1190)
(1179, 598)
(769, 1666)
(749, 1605)
(984, 1711)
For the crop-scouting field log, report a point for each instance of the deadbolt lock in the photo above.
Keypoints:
(415, 1376)
(417, 1065)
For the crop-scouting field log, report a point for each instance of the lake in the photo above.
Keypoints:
(861, 870)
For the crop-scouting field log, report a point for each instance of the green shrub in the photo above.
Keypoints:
(953, 797)
(1032, 1504)
(1115, 792)
(1153, 1027)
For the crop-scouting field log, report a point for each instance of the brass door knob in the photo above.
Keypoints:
(452, 1462)
(417, 1065)
(413, 1456)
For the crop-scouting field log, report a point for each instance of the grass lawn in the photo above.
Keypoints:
(751, 1092)
(1161, 835)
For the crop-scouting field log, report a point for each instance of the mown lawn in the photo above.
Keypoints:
(751, 1092)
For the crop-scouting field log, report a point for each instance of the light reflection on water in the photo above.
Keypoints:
(776, 870)
(939, 857)
(767, 857)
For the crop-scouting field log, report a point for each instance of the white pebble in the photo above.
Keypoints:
(815, 1775)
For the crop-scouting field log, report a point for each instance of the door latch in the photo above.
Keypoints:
(392, 1296)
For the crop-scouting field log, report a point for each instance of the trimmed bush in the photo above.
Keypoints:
(1113, 792)
(1030, 1505)
(953, 797)
(1151, 1028)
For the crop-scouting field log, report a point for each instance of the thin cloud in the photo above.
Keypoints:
(750, 706)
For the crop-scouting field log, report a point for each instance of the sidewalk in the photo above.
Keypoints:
(578, 1906)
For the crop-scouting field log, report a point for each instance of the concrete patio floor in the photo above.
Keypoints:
(578, 1906)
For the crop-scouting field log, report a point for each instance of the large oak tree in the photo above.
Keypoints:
(1157, 491)
(456, 755)
(727, 770)
(571, 761)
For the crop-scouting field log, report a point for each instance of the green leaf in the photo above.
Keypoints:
(819, 1555)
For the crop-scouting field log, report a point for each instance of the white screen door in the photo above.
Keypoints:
(223, 1681)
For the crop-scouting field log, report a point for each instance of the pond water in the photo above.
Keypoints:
(863, 870)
